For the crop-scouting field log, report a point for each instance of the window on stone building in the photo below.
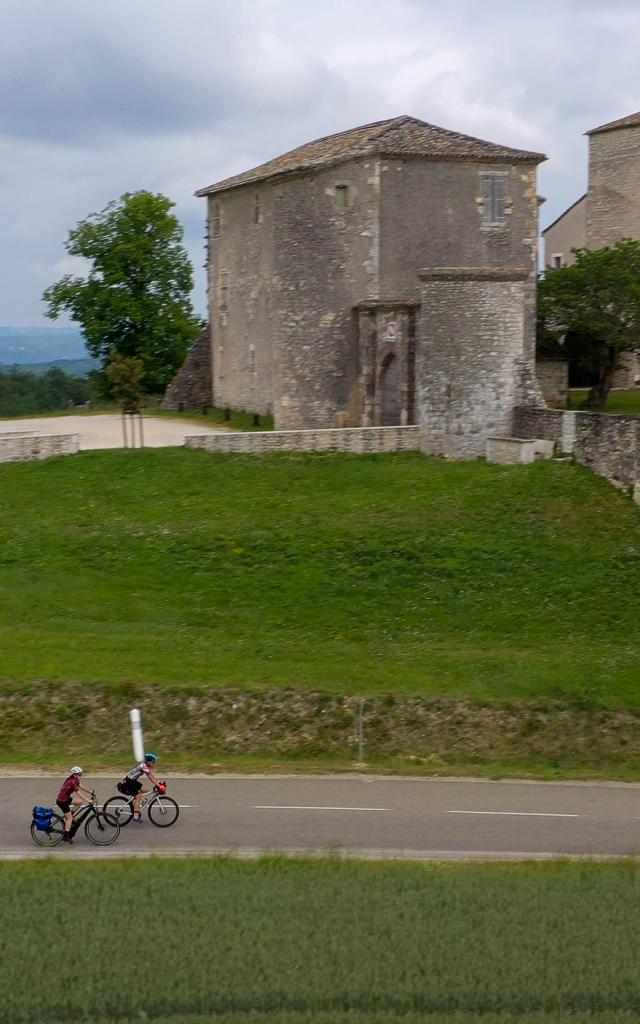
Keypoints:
(557, 260)
(256, 208)
(215, 220)
(342, 195)
(494, 199)
(223, 289)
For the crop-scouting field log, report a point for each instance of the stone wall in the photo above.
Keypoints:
(191, 387)
(474, 362)
(613, 200)
(358, 440)
(291, 262)
(553, 377)
(607, 444)
(26, 447)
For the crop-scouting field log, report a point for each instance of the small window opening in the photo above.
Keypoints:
(342, 195)
(223, 289)
(215, 220)
(256, 208)
(557, 260)
(494, 199)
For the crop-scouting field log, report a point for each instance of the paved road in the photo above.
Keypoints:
(364, 816)
(105, 431)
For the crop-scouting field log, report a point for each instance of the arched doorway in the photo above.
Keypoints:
(390, 392)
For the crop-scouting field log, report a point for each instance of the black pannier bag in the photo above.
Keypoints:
(42, 818)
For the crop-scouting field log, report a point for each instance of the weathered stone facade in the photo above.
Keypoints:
(553, 377)
(359, 440)
(28, 446)
(474, 358)
(313, 270)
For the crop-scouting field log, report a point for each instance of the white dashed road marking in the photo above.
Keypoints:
(302, 807)
(521, 814)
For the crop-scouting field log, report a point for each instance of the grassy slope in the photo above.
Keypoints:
(296, 941)
(351, 573)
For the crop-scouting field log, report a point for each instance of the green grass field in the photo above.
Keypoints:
(285, 942)
(353, 574)
(620, 401)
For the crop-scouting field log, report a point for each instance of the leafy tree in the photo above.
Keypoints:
(23, 393)
(135, 296)
(125, 374)
(594, 305)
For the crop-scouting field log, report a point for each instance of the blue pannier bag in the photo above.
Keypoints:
(42, 818)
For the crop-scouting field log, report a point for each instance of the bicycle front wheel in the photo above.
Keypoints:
(119, 808)
(102, 829)
(52, 836)
(163, 811)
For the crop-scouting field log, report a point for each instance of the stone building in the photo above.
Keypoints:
(610, 208)
(606, 213)
(383, 275)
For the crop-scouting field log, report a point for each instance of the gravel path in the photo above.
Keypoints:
(105, 431)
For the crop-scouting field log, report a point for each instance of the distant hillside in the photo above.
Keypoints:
(72, 367)
(43, 344)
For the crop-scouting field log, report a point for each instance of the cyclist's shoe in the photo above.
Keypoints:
(138, 818)
(67, 839)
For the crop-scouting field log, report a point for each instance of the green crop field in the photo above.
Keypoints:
(284, 942)
(352, 574)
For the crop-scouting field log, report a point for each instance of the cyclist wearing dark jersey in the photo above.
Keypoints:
(71, 796)
(134, 782)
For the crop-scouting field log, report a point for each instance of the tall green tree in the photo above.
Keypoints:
(135, 295)
(594, 306)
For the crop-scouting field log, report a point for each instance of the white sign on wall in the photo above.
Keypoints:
(392, 330)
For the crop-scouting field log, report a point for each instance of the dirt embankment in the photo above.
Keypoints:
(422, 733)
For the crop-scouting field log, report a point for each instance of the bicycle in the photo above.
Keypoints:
(100, 828)
(163, 810)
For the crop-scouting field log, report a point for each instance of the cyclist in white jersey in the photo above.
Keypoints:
(134, 782)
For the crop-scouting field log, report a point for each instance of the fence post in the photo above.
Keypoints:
(136, 734)
(361, 730)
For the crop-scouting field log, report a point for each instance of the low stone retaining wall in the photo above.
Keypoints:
(350, 439)
(26, 447)
(606, 443)
(512, 451)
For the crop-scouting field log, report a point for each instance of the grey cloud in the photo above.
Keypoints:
(97, 98)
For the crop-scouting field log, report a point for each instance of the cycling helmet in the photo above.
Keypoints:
(76, 771)
(150, 757)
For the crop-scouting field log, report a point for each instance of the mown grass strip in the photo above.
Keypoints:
(296, 941)
(347, 574)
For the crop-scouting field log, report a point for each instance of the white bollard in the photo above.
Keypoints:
(136, 734)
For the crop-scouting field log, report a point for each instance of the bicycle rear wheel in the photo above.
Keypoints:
(102, 829)
(52, 836)
(163, 811)
(119, 808)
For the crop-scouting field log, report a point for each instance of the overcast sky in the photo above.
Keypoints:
(99, 98)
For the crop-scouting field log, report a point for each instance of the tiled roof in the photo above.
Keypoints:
(630, 121)
(399, 136)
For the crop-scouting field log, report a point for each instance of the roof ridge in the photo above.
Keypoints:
(628, 121)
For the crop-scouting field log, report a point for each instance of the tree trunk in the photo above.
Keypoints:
(597, 397)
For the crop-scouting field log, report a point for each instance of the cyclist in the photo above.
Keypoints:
(71, 796)
(133, 782)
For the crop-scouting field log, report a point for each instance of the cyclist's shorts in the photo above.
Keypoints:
(64, 805)
(133, 786)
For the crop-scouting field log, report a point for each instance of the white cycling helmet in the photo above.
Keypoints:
(76, 771)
